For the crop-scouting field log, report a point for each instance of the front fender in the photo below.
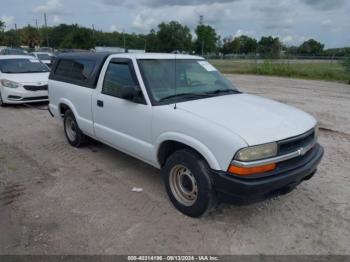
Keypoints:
(191, 142)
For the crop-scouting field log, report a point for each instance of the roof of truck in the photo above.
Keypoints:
(157, 56)
(104, 55)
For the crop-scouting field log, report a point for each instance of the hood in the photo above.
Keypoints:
(257, 120)
(28, 78)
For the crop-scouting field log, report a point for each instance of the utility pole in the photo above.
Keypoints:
(201, 19)
(93, 31)
(124, 40)
(201, 22)
(47, 35)
(17, 37)
(93, 34)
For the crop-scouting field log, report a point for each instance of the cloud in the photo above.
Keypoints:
(149, 18)
(8, 20)
(51, 7)
(274, 14)
(114, 28)
(294, 40)
(324, 4)
(241, 32)
(57, 19)
(162, 3)
(327, 23)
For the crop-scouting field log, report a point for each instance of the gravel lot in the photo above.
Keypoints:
(55, 199)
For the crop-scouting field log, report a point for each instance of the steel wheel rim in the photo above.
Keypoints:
(183, 185)
(71, 129)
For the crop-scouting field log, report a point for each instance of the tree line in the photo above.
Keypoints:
(167, 37)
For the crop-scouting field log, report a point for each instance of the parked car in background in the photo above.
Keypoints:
(179, 114)
(13, 51)
(44, 57)
(23, 79)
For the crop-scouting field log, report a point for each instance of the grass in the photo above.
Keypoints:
(317, 70)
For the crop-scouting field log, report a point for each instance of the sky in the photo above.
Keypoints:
(293, 21)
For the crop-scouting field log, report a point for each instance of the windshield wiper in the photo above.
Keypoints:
(28, 72)
(222, 91)
(184, 95)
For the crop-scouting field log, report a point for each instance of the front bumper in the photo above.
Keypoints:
(22, 96)
(285, 178)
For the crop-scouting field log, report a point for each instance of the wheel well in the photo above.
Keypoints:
(63, 108)
(167, 148)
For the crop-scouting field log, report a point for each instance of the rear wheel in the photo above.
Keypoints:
(187, 180)
(73, 133)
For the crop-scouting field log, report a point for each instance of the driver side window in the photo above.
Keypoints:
(118, 76)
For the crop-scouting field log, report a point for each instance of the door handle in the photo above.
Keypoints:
(99, 103)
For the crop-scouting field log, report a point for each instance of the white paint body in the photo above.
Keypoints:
(46, 62)
(32, 79)
(216, 127)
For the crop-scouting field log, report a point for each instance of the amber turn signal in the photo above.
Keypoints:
(245, 171)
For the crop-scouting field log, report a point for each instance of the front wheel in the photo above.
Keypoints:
(188, 184)
(2, 104)
(73, 133)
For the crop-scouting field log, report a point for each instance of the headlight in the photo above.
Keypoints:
(257, 152)
(9, 84)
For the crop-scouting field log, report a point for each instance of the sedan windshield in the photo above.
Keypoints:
(22, 65)
(175, 80)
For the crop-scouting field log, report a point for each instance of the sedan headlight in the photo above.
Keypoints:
(9, 83)
(257, 152)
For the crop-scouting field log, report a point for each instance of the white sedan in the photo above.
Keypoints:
(23, 79)
(44, 57)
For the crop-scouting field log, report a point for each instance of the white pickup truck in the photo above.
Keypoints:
(178, 113)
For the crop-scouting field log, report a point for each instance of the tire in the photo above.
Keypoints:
(74, 135)
(187, 181)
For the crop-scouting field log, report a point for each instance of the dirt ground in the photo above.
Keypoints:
(55, 199)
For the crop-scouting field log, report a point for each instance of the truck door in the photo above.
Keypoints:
(122, 122)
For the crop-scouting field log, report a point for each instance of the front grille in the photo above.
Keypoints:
(295, 143)
(288, 165)
(13, 97)
(36, 88)
(35, 98)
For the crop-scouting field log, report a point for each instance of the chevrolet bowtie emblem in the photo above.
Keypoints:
(301, 151)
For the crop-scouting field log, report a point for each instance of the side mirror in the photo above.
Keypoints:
(130, 92)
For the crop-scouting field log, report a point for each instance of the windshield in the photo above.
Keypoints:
(170, 80)
(23, 65)
(43, 56)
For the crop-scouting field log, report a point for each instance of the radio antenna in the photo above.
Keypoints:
(175, 106)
